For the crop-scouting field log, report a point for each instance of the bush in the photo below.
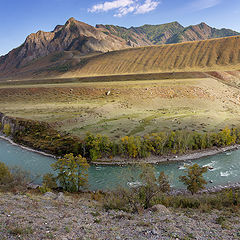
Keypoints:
(141, 197)
(50, 181)
(163, 181)
(13, 179)
(43, 189)
(5, 174)
(7, 129)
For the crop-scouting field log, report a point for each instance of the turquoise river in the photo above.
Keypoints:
(225, 168)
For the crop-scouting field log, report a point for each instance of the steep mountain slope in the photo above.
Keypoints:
(167, 33)
(74, 35)
(215, 54)
(134, 39)
(147, 34)
(200, 32)
(159, 34)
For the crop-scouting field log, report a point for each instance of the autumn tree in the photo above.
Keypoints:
(194, 179)
(72, 172)
(97, 146)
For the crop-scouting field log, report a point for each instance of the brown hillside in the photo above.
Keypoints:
(215, 54)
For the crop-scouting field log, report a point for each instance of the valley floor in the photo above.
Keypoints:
(35, 217)
(133, 107)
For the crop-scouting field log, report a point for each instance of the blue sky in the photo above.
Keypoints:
(19, 18)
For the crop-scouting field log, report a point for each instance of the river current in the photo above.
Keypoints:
(225, 168)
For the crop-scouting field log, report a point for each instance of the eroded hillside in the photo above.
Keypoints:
(216, 54)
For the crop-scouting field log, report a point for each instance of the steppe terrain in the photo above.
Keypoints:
(198, 102)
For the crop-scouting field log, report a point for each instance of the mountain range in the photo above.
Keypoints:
(86, 40)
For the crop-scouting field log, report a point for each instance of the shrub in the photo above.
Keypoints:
(43, 189)
(141, 197)
(7, 129)
(163, 183)
(13, 179)
(5, 174)
(49, 180)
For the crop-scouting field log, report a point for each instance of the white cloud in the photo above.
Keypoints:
(123, 7)
(124, 11)
(203, 4)
(106, 6)
(148, 6)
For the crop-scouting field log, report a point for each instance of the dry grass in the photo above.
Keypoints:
(133, 107)
(216, 54)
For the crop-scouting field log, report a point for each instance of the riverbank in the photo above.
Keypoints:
(26, 148)
(117, 161)
(168, 158)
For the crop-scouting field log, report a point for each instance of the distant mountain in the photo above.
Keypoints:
(159, 34)
(147, 34)
(167, 33)
(200, 32)
(86, 39)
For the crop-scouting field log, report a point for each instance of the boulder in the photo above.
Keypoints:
(160, 208)
(50, 195)
(60, 197)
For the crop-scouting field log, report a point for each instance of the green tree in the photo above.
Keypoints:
(97, 146)
(72, 172)
(194, 179)
(225, 137)
(158, 142)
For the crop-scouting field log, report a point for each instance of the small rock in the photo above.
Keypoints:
(60, 197)
(108, 93)
(50, 195)
(160, 208)
(154, 232)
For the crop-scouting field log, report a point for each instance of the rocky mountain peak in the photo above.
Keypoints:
(75, 35)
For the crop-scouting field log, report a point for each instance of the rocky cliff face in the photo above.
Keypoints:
(12, 122)
(74, 35)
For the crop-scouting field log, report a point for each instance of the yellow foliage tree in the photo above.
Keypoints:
(194, 179)
(72, 172)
